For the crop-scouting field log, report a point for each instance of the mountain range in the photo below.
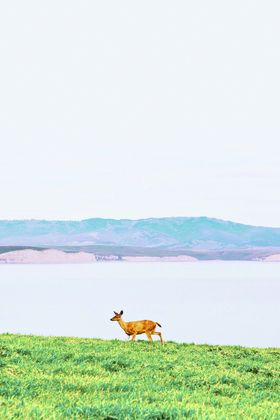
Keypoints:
(197, 236)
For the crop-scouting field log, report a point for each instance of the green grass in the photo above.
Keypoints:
(71, 378)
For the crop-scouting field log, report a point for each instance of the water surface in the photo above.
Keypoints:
(206, 302)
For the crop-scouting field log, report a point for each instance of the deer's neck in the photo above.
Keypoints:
(122, 324)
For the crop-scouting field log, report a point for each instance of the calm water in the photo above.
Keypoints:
(207, 302)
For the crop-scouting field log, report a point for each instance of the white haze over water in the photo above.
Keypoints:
(139, 109)
(208, 302)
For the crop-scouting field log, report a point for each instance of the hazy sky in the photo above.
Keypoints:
(132, 109)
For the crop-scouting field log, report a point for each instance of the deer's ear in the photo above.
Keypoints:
(116, 313)
(121, 312)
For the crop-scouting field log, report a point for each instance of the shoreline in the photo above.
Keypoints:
(55, 256)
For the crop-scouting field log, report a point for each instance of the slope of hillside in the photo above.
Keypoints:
(59, 377)
(169, 233)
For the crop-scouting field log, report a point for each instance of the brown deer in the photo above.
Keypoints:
(137, 327)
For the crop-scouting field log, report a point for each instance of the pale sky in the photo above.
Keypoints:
(130, 109)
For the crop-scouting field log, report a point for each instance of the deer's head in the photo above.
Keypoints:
(117, 316)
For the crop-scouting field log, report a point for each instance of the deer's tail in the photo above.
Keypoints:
(158, 324)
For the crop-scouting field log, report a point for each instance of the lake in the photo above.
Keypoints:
(204, 302)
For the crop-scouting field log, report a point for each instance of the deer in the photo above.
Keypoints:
(134, 328)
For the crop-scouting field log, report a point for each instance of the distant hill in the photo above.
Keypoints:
(171, 233)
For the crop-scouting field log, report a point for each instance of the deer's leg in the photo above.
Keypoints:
(133, 337)
(149, 335)
(160, 336)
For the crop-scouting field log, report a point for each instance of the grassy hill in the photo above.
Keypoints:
(57, 377)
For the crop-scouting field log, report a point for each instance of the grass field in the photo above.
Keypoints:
(56, 377)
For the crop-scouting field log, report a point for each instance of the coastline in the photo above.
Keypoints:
(55, 256)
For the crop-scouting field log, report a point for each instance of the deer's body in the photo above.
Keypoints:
(134, 328)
